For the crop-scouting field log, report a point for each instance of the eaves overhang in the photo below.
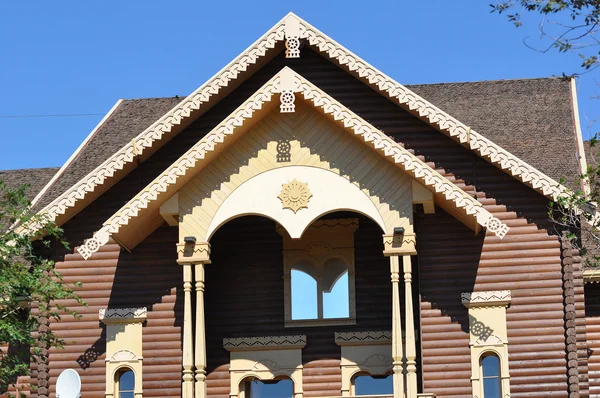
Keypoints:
(286, 85)
(289, 30)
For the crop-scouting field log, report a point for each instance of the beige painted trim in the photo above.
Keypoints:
(77, 151)
(354, 124)
(581, 159)
(363, 338)
(264, 343)
(346, 59)
(123, 346)
(591, 276)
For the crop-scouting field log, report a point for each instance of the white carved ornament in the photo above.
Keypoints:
(486, 299)
(264, 342)
(285, 30)
(379, 140)
(123, 355)
(363, 338)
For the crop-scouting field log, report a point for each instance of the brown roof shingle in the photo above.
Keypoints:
(35, 178)
(532, 118)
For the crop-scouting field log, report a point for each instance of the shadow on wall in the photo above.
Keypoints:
(143, 279)
(449, 255)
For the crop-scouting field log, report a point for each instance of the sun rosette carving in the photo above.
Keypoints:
(295, 195)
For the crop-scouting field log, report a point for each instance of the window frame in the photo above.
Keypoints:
(117, 380)
(324, 240)
(490, 353)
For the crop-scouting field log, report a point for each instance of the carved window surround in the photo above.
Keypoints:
(265, 358)
(123, 345)
(323, 240)
(369, 352)
(488, 334)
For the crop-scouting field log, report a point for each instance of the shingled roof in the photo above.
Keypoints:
(532, 118)
(35, 178)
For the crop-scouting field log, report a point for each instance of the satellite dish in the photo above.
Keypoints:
(68, 384)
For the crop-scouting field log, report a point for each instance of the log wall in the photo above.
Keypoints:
(451, 260)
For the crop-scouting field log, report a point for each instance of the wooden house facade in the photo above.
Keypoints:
(192, 217)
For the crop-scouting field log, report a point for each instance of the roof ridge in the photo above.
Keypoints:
(32, 168)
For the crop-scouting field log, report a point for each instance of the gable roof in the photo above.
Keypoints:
(290, 28)
(287, 82)
(35, 178)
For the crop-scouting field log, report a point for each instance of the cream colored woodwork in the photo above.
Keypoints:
(237, 182)
(140, 216)
(423, 196)
(187, 388)
(488, 334)
(170, 210)
(368, 352)
(410, 342)
(323, 240)
(146, 143)
(265, 358)
(200, 354)
(123, 345)
(397, 353)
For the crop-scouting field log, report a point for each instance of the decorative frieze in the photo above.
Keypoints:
(399, 244)
(499, 298)
(193, 253)
(122, 315)
(264, 343)
(363, 338)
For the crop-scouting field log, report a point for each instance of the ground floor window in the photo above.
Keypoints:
(283, 388)
(125, 383)
(373, 385)
(490, 371)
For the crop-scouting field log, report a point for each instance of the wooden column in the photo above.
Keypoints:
(398, 377)
(187, 388)
(197, 254)
(200, 357)
(411, 349)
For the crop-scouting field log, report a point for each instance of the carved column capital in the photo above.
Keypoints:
(193, 253)
(399, 244)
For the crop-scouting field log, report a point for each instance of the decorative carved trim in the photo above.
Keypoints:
(295, 195)
(378, 361)
(500, 298)
(300, 323)
(346, 59)
(441, 120)
(195, 101)
(264, 343)
(122, 315)
(394, 245)
(363, 338)
(193, 253)
(408, 162)
(123, 355)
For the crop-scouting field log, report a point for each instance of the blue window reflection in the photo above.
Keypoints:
(126, 384)
(490, 368)
(270, 389)
(368, 385)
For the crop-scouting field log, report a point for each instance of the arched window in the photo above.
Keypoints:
(365, 384)
(319, 274)
(125, 383)
(490, 376)
(282, 388)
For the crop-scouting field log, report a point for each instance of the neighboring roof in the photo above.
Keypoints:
(532, 118)
(289, 82)
(290, 28)
(35, 178)
(124, 123)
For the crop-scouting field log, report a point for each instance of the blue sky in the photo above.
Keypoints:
(75, 57)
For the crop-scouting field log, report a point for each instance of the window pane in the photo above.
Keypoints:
(491, 388)
(126, 381)
(490, 365)
(304, 296)
(128, 394)
(367, 385)
(336, 302)
(278, 389)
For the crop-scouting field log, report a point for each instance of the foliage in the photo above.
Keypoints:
(571, 26)
(29, 288)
